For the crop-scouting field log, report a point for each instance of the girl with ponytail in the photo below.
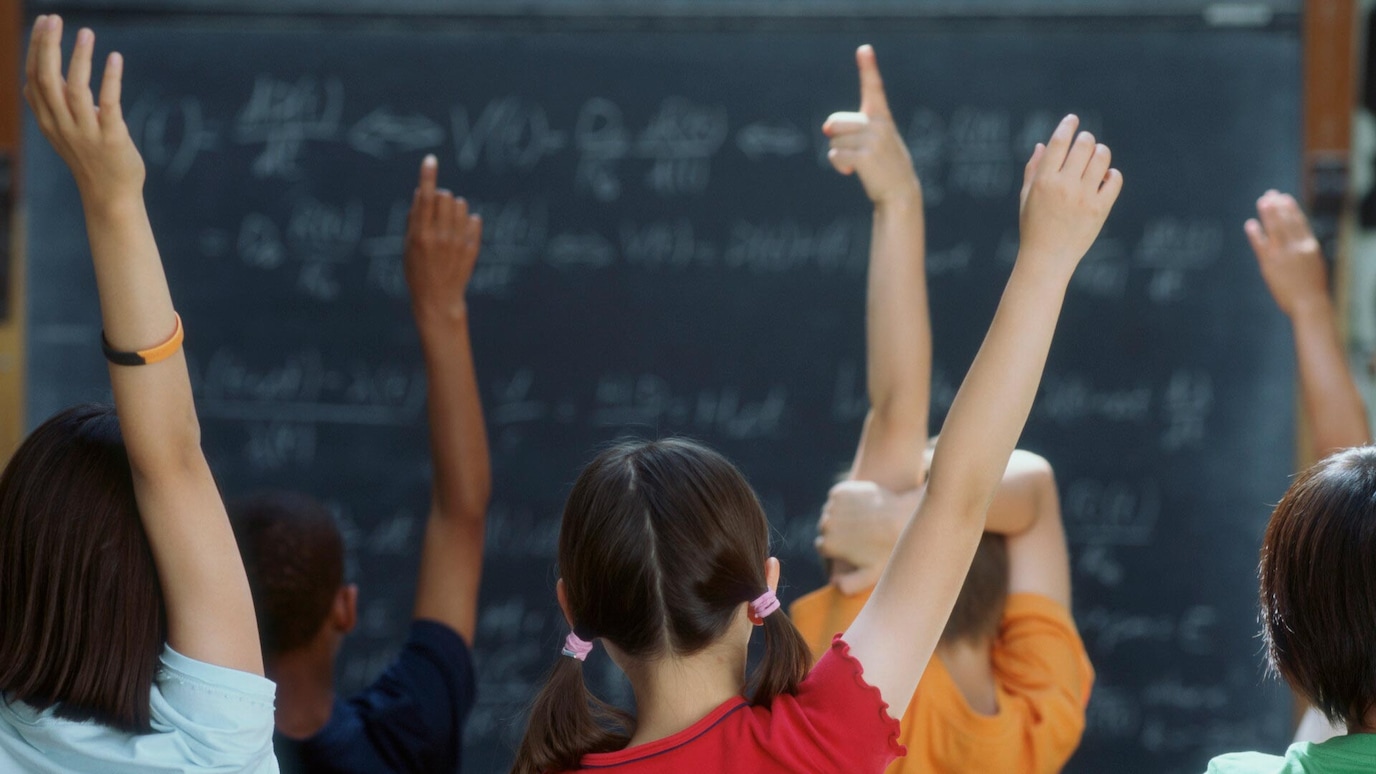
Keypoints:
(664, 557)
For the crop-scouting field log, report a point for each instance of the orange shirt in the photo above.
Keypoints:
(1043, 680)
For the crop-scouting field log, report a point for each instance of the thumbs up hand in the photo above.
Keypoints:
(867, 142)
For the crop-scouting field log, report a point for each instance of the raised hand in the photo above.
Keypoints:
(859, 526)
(1289, 255)
(867, 142)
(442, 243)
(93, 140)
(1068, 190)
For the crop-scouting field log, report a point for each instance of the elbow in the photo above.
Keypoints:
(891, 411)
(470, 501)
(174, 453)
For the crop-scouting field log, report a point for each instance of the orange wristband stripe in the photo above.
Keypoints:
(146, 356)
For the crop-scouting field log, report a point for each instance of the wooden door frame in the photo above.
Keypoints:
(12, 353)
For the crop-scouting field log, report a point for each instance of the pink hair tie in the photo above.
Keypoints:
(765, 604)
(577, 647)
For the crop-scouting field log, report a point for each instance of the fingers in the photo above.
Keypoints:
(49, 71)
(111, 86)
(475, 231)
(444, 211)
(423, 210)
(1099, 163)
(842, 160)
(31, 91)
(851, 141)
(1081, 151)
(845, 123)
(30, 61)
(1112, 186)
(873, 100)
(1256, 236)
(1269, 211)
(1030, 171)
(1058, 147)
(79, 99)
(847, 132)
(429, 173)
(1292, 217)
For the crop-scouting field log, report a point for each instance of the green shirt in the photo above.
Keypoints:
(1355, 754)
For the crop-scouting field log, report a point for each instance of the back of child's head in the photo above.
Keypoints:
(1318, 585)
(82, 622)
(294, 556)
(662, 543)
(979, 608)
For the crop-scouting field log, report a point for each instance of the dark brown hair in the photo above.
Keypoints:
(1318, 585)
(81, 613)
(979, 608)
(661, 544)
(294, 557)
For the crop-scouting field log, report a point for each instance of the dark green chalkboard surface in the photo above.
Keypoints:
(668, 252)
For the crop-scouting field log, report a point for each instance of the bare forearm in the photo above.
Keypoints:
(458, 438)
(933, 555)
(991, 407)
(156, 411)
(899, 347)
(1332, 403)
(1022, 494)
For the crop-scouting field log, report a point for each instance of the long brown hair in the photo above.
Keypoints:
(1318, 586)
(81, 612)
(661, 544)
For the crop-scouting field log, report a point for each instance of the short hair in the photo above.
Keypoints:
(978, 613)
(1318, 585)
(294, 557)
(82, 622)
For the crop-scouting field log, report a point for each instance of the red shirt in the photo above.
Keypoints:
(836, 724)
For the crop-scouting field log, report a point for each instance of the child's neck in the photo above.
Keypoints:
(305, 692)
(672, 694)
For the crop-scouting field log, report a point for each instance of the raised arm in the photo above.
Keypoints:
(1038, 559)
(209, 608)
(861, 523)
(898, 327)
(442, 243)
(1294, 270)
(1068, 192)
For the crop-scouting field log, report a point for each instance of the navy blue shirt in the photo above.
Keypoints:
(410, 720)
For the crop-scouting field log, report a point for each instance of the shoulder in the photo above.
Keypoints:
(1040, 657)
(411, 717)
(191, 695)
(205, 718)
(1247, 763)
(440, 643)
(839, 712)
(433, 667)
(1034, 625)
(217, 714)
(1027, 605)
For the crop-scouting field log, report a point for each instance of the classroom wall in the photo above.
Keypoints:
(1359, 271)
(11, 234)
(1159, 494)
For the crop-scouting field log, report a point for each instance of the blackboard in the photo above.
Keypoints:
(667, 252)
